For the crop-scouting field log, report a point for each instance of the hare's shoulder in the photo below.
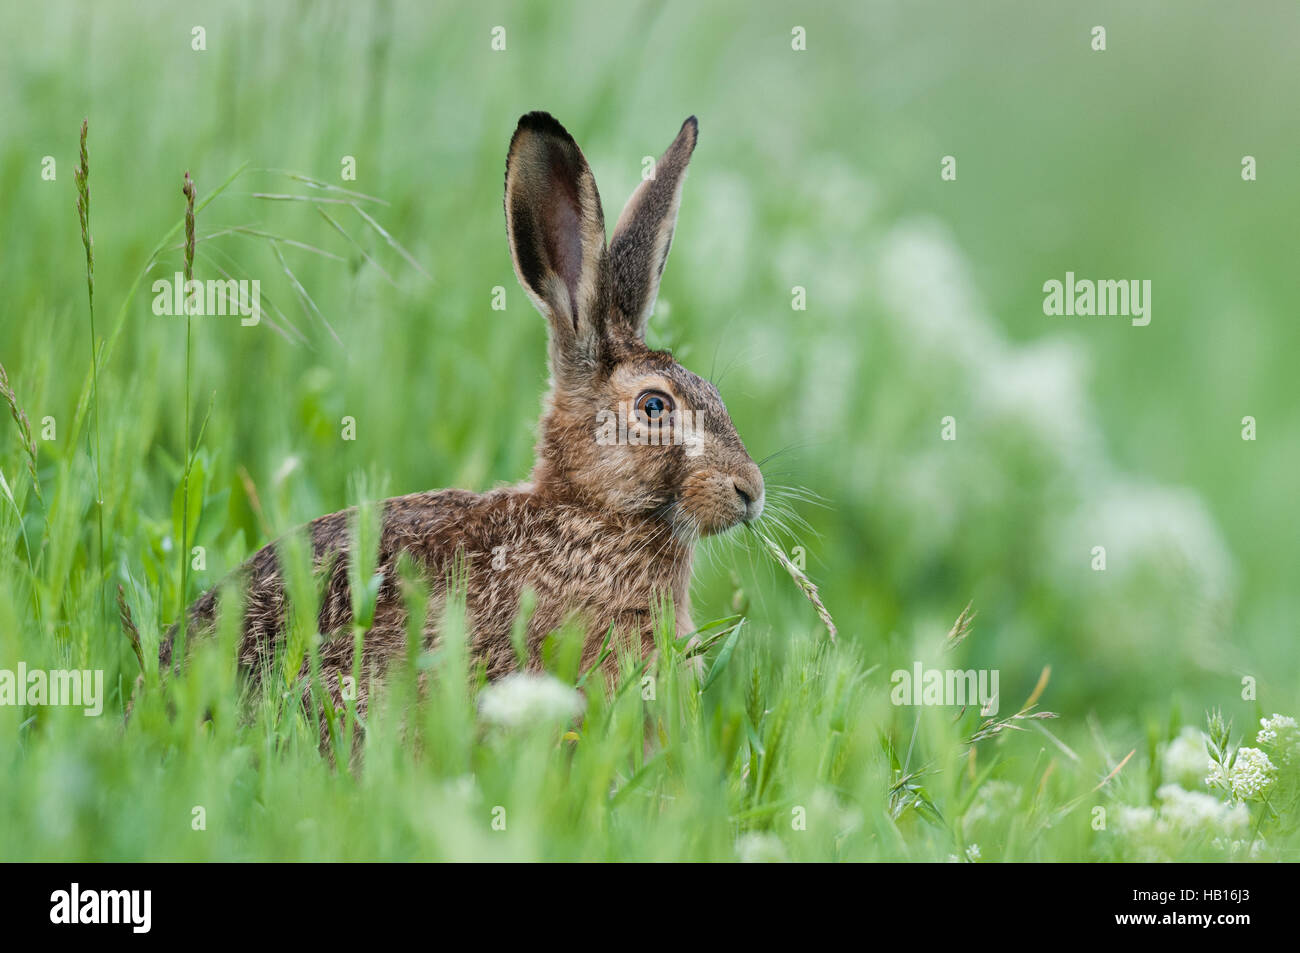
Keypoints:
(437, 523)
(404, 518)
(418, 509)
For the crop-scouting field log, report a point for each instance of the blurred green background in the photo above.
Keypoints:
(817, 168)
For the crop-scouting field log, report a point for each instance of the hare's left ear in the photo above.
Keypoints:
(639, 249)
(557, 238)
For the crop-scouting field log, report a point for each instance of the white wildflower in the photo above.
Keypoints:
(760, 848)
(1192, 811)
(524, 699)
(1158, 527)
(1180, 813)
(926, 286)
(973, 853)
(1252, 773)
(1279, 732)
(827, 807)
(1136, 820)
(1215, 778)
(1041, 387)
(1183, 759)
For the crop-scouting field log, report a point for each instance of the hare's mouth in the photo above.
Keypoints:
(715, 502)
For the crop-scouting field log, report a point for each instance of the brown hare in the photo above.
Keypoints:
(636, 456)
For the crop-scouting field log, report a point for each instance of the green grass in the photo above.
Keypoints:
(815, 169)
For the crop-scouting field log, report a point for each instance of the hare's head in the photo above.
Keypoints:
(627, 429)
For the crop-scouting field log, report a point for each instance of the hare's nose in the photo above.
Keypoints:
(749, 488)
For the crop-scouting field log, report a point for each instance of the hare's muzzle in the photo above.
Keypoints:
(748, 486)
(719, 499)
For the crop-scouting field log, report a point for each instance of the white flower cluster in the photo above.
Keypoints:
(1250, 776)
(1036, 397)
(971, 853)
(1280, 732)
(524, 699)
(1183, 759)
(1252, 773)
(760, 848)
(1194, 811)
(1181, 812)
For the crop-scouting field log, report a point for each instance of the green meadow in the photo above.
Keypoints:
(879, 195)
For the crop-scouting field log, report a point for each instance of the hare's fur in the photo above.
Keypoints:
(603, 534)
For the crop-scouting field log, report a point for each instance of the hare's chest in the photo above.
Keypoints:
(585, 567)
(617, 574)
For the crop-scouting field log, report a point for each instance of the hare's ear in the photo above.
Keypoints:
(557, 236)
(639, 249)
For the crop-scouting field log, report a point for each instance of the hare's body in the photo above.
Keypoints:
(636, 456)
(583, 566)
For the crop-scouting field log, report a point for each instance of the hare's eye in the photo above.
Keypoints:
(654, 405)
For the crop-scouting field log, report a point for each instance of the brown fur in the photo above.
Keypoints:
(601, 533)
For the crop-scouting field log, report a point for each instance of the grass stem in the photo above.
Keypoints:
(188, 192)
(82, 177)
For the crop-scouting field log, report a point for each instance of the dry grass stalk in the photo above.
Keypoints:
(807, 585)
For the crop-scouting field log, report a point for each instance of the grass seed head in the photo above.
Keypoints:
(24, 429)
(188, 192)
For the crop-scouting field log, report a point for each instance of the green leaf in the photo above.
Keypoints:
(601, 656)
(724, 656)
(369, 598)
(723, 624)
(636, 780)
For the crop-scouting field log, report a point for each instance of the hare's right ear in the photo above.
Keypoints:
(644, 233)
(557, 237)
